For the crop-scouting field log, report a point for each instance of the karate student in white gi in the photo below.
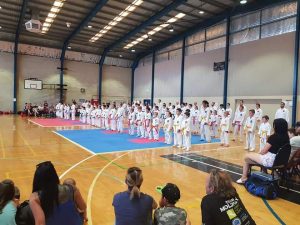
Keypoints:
(120, 117)
(186, 131)
(131, 121)
(264, 132)
(250, 131)
(283, 113)
(112, 117)
(148, 125)
(204, 120)
(237, 123)
(168, 127)
(177, 128)
(155, 126)
(224, 127)
(73, 110)
(258, 115)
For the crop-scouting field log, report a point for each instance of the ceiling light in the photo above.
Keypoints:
(58, 4)
(0, 27)
(46, 24)
(0, 7)
(69, 47)
(51, 15)
(243, 1)
(131, 7)
(180, 15)
(49, 20)
(201, 12)
(68, 24)
(121, 56)
(89, 26)
(155, 30)
(54, 10)
(133, 50)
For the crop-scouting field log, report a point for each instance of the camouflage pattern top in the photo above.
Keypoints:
(170, 216)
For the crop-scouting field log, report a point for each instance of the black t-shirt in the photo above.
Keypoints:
(277, 141)
(217, 210)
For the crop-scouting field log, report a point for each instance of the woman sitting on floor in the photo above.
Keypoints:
(268, 153)
(222, 204)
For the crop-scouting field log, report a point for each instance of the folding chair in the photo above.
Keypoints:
(279, 165)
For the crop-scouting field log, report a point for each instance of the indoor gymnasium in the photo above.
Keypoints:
(149, 112)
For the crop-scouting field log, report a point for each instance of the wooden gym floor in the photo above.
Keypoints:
(24, 144)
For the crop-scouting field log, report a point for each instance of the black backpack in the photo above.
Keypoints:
(24, 215)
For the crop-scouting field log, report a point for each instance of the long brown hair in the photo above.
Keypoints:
(220, 182)
(134, 180)
(7, 193)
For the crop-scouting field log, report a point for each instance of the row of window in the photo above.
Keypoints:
(264, 23)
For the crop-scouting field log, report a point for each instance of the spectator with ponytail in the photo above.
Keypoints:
(132, 206)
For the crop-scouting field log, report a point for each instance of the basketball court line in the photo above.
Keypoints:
(35, 123)
(27, 144)
(91, 189)
(60, 126)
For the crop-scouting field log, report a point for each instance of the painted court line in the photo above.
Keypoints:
(73, 142)
(75, 165)
(91, 189)
(35, 123)
(207, 164)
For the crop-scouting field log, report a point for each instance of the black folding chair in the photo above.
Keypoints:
(279, 165)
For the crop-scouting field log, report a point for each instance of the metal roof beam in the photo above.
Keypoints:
(148, 22)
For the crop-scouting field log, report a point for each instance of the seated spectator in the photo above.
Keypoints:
(294, 135)
(52, 203)
(168, 213)
(132, 206)
(8, 207)
(222, 204)
(267, 155)
(71, 181)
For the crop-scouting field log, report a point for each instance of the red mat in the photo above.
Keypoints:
(56, 122)
(145, 140)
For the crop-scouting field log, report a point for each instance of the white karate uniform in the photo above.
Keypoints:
(221, 115)
(73, 111)
(93, 117)
(88, 115)
(250, 133)
(283, 113)
(168, 125)
(213, 125)
(98, 117)
(61, 111)
(106, 118)
(264, 132)
(155, 128)
(258, 116)
(57, 110)
(140, 119)
(112, 117)
(238, 123)
(131, 119)
(83, 114)
(186, 131)
(148, 130)
(204, 126)
(120, 118)
(224, 127)
(177, 131)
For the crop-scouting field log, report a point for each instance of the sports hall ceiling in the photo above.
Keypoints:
(75, 11)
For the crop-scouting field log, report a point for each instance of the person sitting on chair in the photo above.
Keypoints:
(267, 155)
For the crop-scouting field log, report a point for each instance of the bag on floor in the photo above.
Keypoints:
(261, 187)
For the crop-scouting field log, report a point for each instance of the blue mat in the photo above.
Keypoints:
(99, 141)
